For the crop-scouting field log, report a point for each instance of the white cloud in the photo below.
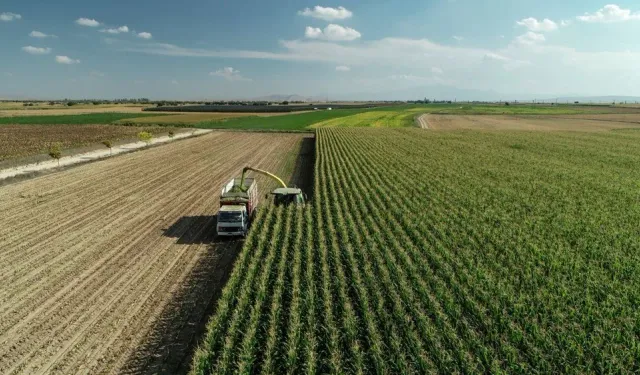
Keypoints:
(313, 32)
(436, 70)
(495, 57)
(534, 25)
(410, 77)
(174, 82)
(66, 60)
(342, 68)
(332, 32)
(8, 17)
(565, 23)
(530, 38)
(116, 30)
(38, 34)
(230, 74)
(327, 14)
(87, 22)
(413, 79)
(8, 74)
(387, 52)
(165, 49)
(458, 38)
(36, 50)
(509, 69)
(95, 73)
(610, 13)
(145, 35)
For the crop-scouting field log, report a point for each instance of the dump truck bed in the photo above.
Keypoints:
(233, 186)
(233, 194)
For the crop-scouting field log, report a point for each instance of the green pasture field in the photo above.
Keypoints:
(298, 122)
(392, 116)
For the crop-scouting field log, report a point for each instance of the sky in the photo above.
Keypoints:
(348, 50)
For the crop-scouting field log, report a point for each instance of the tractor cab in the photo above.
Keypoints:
(287, 196)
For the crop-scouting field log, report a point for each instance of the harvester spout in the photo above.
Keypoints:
(246, 169)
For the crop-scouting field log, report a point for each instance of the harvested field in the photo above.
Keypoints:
(633, 118)
(546, 123)
(56, 111)
(112, 267)
(24, 140)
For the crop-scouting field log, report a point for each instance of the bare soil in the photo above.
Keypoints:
(113, 267)
(588, 122)
(54, 111)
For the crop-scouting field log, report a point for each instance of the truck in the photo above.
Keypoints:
(238, 202)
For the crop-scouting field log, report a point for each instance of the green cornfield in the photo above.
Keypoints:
(443, 252)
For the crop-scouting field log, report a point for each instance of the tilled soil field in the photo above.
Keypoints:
(8, 111)
(595, 122)
(113, 267)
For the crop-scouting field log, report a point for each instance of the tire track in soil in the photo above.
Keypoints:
(110, 291)
(264, 154)
(423, 121)
(80, 234)
(76, 201)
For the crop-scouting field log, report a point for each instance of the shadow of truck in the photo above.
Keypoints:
(193, 230)
(169, 346)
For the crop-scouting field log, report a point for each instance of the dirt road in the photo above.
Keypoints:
(112, 267)
(423, 121)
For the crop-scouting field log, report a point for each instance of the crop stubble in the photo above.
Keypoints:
(94, 257)
(584, 122)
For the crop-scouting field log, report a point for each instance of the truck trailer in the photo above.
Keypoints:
(238, 202)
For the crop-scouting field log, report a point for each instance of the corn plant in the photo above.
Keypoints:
(443, 252)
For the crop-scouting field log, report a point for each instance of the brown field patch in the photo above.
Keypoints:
(112, 267)
(542, 123)
(55, 111)
(24, 140)
(633, 118)
(609, 109)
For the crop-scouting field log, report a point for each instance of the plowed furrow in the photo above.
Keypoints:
(88, 268)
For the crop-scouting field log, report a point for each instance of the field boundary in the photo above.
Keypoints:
(268, 131)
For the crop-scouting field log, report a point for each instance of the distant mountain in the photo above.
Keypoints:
(437, 92)
(442, 92)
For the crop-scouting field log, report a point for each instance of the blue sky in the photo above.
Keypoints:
(205, 49)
